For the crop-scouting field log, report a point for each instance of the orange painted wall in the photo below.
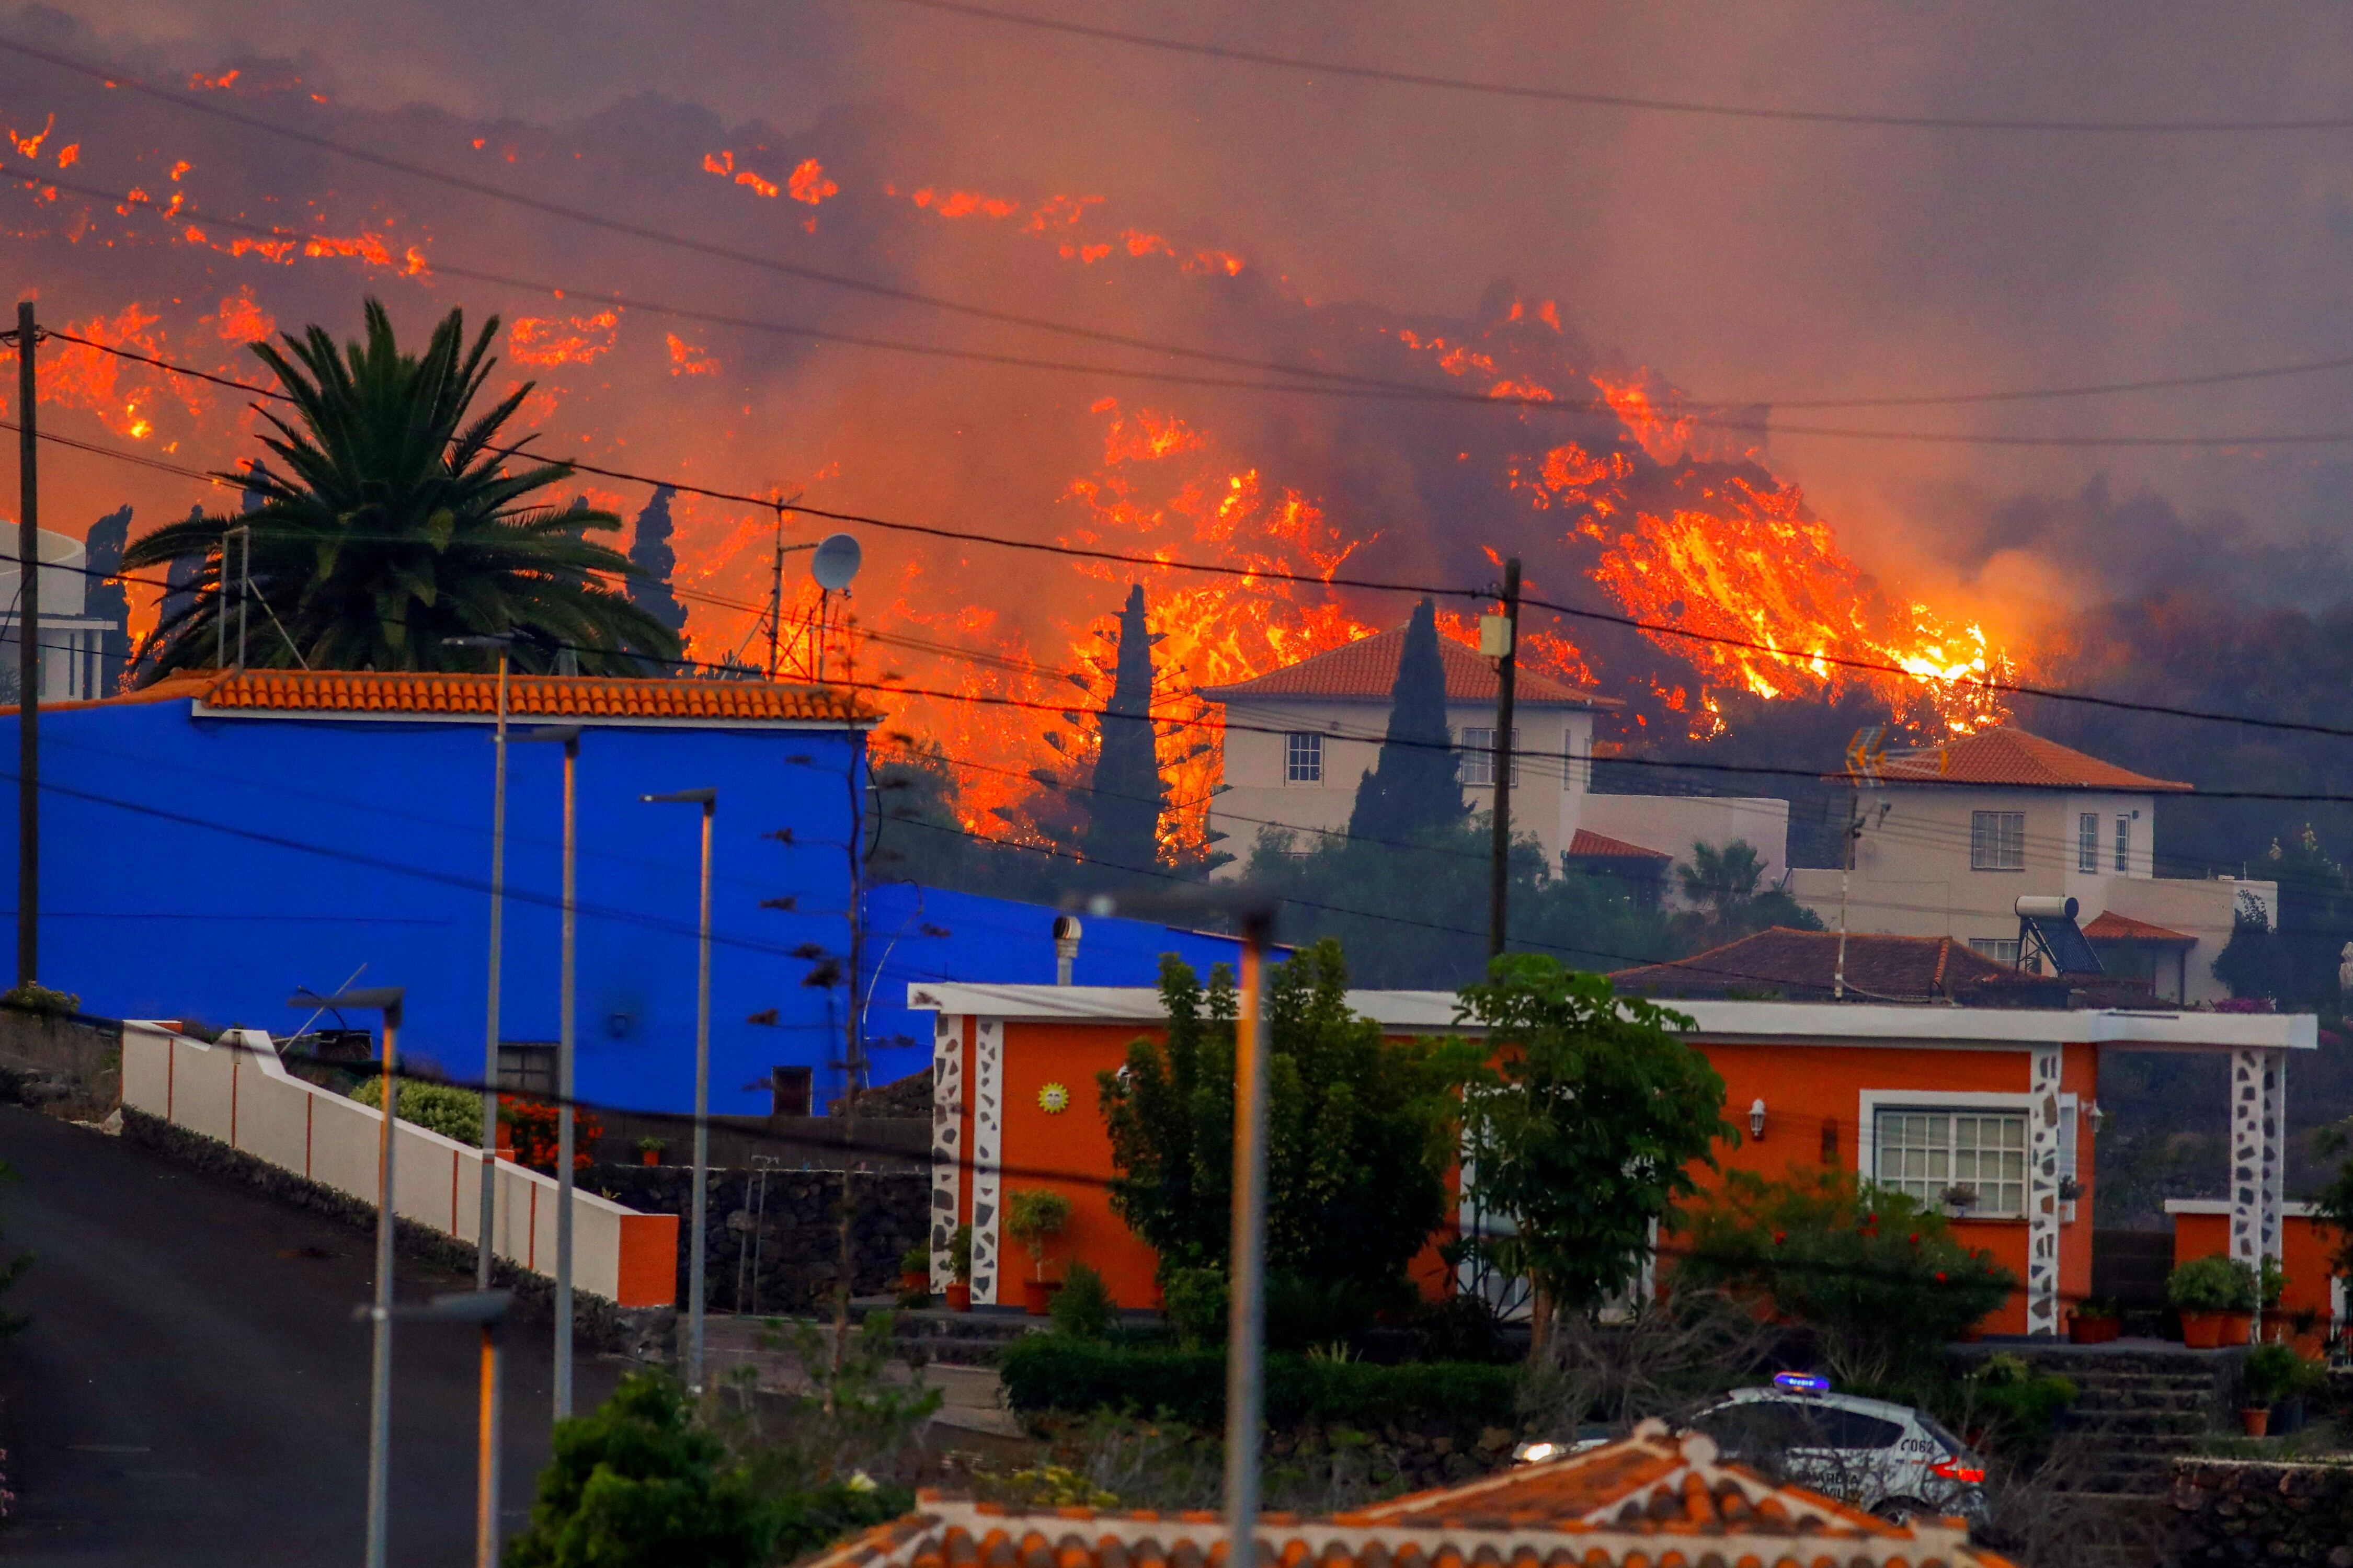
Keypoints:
(1806, 1089)
(2305, 1249)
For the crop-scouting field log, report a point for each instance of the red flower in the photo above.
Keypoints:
(1940, 1277)
(1915, 1238)
(1779, 1237)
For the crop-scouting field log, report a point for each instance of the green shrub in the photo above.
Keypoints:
(806, 1521)
(2275, 1372)
(1083, 1309)
(2212, 1284)
(436, 1107)
(31, 996)
(960, 1254)
(916, 1260)
(1034, 1216)
(1197, 1306)
(1052, 1372)
(2017, 1405)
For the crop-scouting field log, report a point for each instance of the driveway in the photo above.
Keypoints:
(191, 1389)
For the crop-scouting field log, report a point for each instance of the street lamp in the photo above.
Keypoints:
(709, 800)
(1253, 911)
(388, 1000)
(487, 1308)
(497, 925)
(568, 735)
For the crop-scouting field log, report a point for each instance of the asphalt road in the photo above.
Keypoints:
(192, 1388)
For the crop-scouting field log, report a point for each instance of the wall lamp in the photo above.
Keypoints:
(1757, 1120)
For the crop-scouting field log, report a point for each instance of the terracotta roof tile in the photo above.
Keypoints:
(1585, 841)
(2110, 926)
(1365, 672)
(529, 697)
(2013, 757)
(1649, 1500)
(1804, 964)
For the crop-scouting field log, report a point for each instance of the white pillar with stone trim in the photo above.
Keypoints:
(987, 1153)
(2258, 1164)
(2043, 1191)
(947, 1144)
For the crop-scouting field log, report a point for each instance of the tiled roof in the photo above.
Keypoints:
(2015, 758)
(1585, 841)
(1803, 964)
(2109, 926)
(529, 697)
(1365, 672)
(1649, 1500)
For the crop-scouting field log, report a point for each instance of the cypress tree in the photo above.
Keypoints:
(105, 600)
(650, 552)
(1125, 798)
(1412, 788)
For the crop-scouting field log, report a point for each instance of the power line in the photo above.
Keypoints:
(1590, 100)
(1259, 574)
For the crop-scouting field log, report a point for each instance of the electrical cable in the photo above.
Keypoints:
(1582, 99)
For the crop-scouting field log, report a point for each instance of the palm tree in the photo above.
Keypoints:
(387, 524)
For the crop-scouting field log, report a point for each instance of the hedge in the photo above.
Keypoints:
(1052, 1372)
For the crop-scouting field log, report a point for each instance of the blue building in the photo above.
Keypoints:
(212, 846)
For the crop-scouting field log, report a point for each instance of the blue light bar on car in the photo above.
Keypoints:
(1801, 1382)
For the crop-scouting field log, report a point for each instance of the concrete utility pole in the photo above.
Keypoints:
(569, 736)
(1506, 670)
(707, 799)
(487, 1230)
(1246, 1319)
(28, 654)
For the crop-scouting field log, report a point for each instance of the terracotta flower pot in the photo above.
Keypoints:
(2083, 1330)
(2238, 1328)
(2274, 1330)
(914, 1282)
(2313, 1346)
(2203, 1331)
(650, 1156)
(2258, 1420)
(1038, 1296)
(960, 1296)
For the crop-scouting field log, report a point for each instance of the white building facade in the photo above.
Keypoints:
(72, 643)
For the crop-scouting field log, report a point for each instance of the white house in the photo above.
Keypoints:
(72, 643)
(1299, 739)
(1952, 834)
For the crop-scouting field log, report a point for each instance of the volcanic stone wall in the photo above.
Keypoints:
(2244, 1511)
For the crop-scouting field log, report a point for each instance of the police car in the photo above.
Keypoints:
(1889, 1458)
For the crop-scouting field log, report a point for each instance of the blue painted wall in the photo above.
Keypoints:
(210, 867)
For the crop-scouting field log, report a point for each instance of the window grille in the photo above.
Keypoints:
(1997, 841)
(2003, 950)
(1924, 1153)
(1302, 759)
(1478, 748)
(2124, 845)
(2087, 841)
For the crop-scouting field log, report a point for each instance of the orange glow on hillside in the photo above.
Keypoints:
(577, 340)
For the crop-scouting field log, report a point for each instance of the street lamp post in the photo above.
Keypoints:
(488, 1230)
(388, 1000)
(569, 736)
(489, 1309)
(709, 800)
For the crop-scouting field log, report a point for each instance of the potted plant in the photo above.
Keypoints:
(2270, 1282)
(2095, 1320)
(649, 1149)
(2308, 1334)
(960, 1264)
(2275, 1376)
(1034, 1216)
(915, 1275)
(1959, 1199)
(2216, 1298)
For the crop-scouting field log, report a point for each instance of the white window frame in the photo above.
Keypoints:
(2123, 844)
(2087, 841)
(1869, 1103)
(1477, 768)
(1978, 945)
(1985, 847)
(1302, 757)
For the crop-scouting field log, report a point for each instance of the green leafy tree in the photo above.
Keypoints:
(443, 1108)
(1584, 1127)
(1413, 788)
(637, 1483)
(1877, 1274)
(390, 521)
(1723, 884)
(1360, 1130)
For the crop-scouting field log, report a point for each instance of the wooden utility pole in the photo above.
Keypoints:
(1499, 886)
(28, 656)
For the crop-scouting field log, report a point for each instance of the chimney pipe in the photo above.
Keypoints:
(1066, 947)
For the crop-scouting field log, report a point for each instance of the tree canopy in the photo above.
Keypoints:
(388, 521)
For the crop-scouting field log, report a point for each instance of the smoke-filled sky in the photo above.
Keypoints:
(1745, 262)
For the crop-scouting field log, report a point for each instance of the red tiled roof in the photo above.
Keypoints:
(2109, 926)
(2015, 758)
(1365, 672)
(1648, 1499)
(1585, 841)
(1804, 965)
(529, 697)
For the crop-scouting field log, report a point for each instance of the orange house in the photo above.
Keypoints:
(1924, 1098)
(2201, 1228)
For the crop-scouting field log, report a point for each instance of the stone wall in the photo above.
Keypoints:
(2238, 1511)
(788, 1225)
(68, 1065)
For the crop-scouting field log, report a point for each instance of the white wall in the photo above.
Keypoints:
(238, 1092)
(1673, 823)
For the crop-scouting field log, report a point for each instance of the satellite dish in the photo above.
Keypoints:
(834, 563)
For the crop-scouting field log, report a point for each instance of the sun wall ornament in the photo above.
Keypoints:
(1054, 1099)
